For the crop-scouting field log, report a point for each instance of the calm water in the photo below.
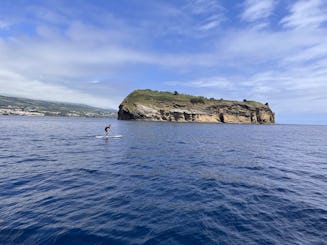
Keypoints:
(162, 183)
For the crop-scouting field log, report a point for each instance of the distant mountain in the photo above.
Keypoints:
(28, 107)
(166, 106)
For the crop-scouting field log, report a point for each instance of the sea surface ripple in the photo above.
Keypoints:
(162, 183)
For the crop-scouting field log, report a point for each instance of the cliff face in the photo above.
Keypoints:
(165, 106)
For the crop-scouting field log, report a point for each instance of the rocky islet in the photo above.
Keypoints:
(166, 106)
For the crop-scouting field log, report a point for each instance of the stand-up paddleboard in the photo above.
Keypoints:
(115, 136)
(108, 137)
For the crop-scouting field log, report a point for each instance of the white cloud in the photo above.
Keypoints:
(257, 9)
(208, 14)
(295, 90)
(311, 53)
(306, 14)
(253, 47)
(199, 7)
(205, 82)
(64, 58)
(53, 64)
(287, 68)
(209, 25)
(17, 85)
(95, 82)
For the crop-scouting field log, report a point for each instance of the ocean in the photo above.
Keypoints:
(161, 183)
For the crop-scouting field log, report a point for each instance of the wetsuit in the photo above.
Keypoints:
(107, 129)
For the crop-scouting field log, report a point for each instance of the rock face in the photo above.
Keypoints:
(165, 106)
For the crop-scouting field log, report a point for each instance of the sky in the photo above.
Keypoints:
(97, 52)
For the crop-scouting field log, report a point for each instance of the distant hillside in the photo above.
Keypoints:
(28, 107)
(167, 106)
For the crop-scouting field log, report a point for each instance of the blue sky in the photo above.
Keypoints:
(96, 52)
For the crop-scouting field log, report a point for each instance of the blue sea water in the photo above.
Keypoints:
(162, 183)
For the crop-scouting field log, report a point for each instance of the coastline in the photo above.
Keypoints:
(20, 112)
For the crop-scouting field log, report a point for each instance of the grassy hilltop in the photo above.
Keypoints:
(162, 99)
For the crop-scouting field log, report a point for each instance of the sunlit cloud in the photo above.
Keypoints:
(257, 9)
(205, 82)
(306, 14)
(17, 85)
(208, 13)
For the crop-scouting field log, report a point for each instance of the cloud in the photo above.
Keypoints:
(295, 90)
(305, 14)
(58, 60)
(209, 25)
(286, 67)
(208, 14)
(281, 49)
(311, 53)
(203, 6)
(17, 85)
(205, 82)
(257, 9)
(95, 82)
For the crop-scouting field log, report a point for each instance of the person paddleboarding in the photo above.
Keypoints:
(107, 128)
